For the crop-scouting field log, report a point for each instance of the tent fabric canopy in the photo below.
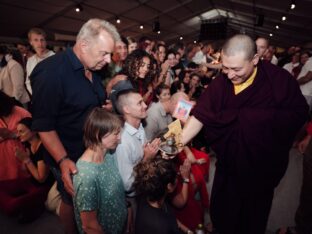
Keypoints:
(176, 18)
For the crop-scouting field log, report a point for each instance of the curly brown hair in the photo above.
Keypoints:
(132, 65)
(153, 176)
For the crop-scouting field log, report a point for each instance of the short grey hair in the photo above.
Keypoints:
(92, 28)
(240, 43)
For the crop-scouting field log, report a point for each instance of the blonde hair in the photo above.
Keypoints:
(38, 31)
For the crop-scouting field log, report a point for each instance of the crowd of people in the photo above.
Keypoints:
(90, 120)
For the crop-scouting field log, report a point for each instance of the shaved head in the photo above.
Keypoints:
(178, 95)
(240, 44)
(175, 98)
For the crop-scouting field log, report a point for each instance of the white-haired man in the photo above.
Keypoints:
(65, 89)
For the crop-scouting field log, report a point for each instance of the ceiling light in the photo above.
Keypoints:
(284, 18)
(78, 8)
(158, 32)
(141, 26)
(277, 27)
(181, 38)
(156, 26)
(292, 5)
(271, 34)
(195, 42)
(118, 21)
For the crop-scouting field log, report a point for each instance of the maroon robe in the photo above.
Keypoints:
(251, 133)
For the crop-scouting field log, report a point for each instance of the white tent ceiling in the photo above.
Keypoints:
(176, 17)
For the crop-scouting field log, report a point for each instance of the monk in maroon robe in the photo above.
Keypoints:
(251, 115)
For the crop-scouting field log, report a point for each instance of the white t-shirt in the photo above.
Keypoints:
(199, 58)
(274, 60)
(31, 63)
(290, 66)
(306, 88)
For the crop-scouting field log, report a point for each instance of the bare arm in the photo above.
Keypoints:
(90, 224)
(39, 171)
(214, 65)
(192, 127)
(180, 199)
(305, 79)
(189, 154)
(52, 143)
(148, 93)
(184, 228)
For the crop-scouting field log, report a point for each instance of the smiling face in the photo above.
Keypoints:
(24, 133)
(164, 95)
(186, 78)
(172, 60)
(121, 49)
(195, 80)
(97, 53)
(136, 107)
(132, 46)
(237, 68)
(144, 68)
(111, 140)
(161, 53)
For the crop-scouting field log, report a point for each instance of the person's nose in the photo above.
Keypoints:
(231, 74)
(146, 68)
(108, 58)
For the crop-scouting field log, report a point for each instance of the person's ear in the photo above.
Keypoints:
(126, 109)
(84, 45)
(170, 187)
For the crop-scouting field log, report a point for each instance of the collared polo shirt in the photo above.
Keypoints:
(63, 97)
(130, 152)
(157, 120)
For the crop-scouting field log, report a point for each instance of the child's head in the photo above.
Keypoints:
(102, 129)
(155, 178)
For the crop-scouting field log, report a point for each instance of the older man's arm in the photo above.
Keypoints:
(54, 146)
(191, 129)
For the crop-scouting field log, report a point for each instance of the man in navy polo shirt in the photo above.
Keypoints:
(65, 89)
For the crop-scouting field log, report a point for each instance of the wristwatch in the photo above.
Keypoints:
(186, 180)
